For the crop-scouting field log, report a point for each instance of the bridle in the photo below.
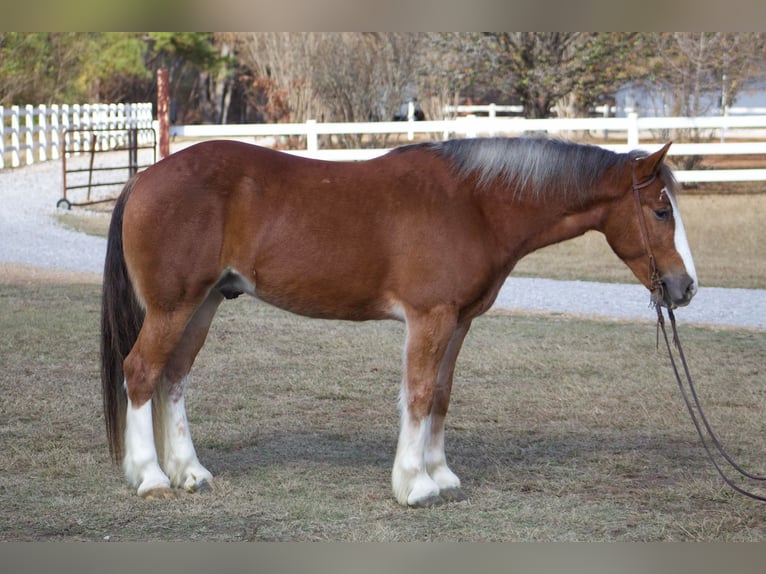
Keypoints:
(657, 290)
(655, 284)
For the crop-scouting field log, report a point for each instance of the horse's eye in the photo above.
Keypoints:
(663, 214)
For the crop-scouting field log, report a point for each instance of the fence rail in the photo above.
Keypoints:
(603, 110)
(29, 134)
(34, 133)
(632, 126)
(631, 129)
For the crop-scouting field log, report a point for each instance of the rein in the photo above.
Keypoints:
(656, 288)
(713, 438)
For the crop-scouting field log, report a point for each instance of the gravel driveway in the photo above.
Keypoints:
(30, 235)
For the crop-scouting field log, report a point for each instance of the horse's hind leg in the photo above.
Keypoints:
(144, 371)
(175, 447)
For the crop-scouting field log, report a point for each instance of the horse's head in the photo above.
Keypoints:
(645, 230)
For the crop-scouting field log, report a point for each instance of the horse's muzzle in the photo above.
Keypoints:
(678, 291)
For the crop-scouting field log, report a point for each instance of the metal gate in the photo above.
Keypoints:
(93, 181)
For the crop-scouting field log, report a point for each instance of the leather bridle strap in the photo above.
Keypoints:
(655, 284)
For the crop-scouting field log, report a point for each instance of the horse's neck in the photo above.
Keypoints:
(522, 227)
(567, 227)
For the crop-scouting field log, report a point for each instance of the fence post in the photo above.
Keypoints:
(723, 128)
(470, 129)
(66, 136)
(410, 119)
(87, 121)
(2, 137)
(15, 146)
(633, 129)
(55, 132)
(312, 138)
(163, 111)
(42, 137)
(29, 128)
(75, 125)
(120, 122)
(132, 151)
(492, 114)
(111, 125)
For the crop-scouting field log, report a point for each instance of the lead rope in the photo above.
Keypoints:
(713, 438)
(656, 289)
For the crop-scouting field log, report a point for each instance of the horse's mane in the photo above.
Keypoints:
(537, 167)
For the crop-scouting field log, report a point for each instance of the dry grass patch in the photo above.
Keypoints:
(19, 274)
(561, 429)
(90, 221)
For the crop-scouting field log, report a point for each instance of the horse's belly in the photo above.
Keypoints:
(351, 297)
(319, 306)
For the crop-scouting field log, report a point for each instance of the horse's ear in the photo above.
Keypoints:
(647, 166)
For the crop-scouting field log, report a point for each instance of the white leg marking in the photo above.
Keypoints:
(682, 243)
(140, 463)
(411, 484)
(436, 460)
(179, 457)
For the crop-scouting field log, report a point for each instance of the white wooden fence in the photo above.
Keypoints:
(606, 111)
(490, 109)
(34, 133)
(29, 134)
(632, 130)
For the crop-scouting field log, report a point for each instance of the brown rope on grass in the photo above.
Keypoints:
(700, 414)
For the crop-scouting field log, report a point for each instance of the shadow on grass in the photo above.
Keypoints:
(534, 455)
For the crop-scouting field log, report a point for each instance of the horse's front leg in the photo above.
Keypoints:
(428, 337)
(436, 459)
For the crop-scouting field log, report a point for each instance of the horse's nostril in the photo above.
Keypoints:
(691, 288)
(678, 291)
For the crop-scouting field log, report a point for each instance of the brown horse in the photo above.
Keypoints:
(425, 234)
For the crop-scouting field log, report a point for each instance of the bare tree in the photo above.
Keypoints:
(565, 71)
(282, 62)
(215, 84)
(364, 77)
(448, 64)
(702, 71)
(348, 77)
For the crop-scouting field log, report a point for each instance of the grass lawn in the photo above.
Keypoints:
(560, 428)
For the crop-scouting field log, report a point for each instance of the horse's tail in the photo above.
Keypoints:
(121, 320)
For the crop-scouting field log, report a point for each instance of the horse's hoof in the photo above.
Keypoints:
(428, 502)
(201, 486)
(160, 494)
(453, 495)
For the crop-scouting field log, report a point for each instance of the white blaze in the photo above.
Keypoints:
(682, 243)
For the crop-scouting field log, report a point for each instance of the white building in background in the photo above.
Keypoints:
(650, 100)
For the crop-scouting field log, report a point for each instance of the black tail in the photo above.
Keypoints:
(121, 320)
